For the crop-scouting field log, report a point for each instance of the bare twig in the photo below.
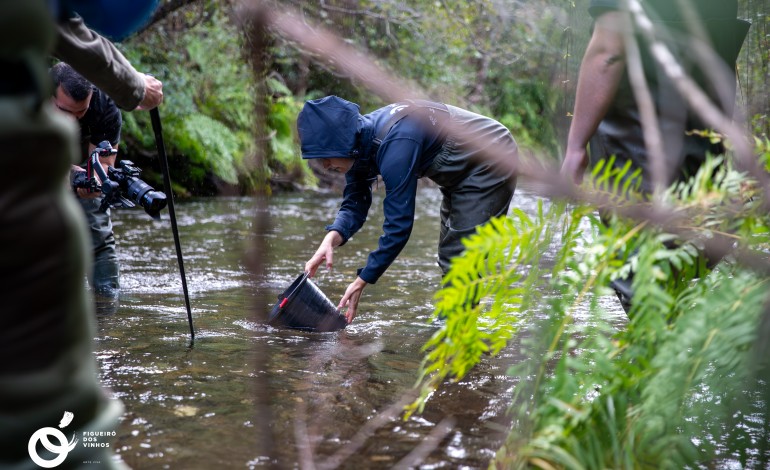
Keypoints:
(302, 438)
(699, 101)
(650, 129)
(256, 34)
(428, 445)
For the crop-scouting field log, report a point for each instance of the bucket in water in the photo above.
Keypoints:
(304, 307)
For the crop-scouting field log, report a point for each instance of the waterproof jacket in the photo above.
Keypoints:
(100, 62)
(407, 148)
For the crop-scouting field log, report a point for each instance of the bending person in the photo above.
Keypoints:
(99, 119)
(471, 157)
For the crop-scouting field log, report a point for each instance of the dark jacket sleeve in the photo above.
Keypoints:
(356, 201)
(397, 160)
(99, 61)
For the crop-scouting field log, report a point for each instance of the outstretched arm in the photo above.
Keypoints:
(325, 251)
(101, 63)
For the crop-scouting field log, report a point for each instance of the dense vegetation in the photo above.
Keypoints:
(682, 384)
(509, 64)
(679, 385)
(516, 61)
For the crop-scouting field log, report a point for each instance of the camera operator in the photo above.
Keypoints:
(99, 119)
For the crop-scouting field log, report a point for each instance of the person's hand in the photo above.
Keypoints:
(351, 298)
(574, 165)
(153, 93)
(324, 252)
(84, 193)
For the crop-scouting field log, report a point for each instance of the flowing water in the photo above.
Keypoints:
(196, 407)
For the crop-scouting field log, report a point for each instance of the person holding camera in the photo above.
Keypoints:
(471, 157)
(99, 119)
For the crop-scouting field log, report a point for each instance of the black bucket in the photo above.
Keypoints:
(304, 307)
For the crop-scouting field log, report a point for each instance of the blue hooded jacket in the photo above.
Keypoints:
(333, 127)
(328, 128)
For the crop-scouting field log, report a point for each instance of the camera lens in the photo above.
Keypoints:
(153, 202)
(142, 193)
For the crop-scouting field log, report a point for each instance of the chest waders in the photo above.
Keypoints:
(475, 171)
(47, 320)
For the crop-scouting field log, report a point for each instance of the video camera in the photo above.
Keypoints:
(121, 186)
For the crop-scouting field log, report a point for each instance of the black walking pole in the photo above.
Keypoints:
(155, 116)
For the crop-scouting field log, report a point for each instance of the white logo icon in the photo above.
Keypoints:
(61, 450)
(397, 109)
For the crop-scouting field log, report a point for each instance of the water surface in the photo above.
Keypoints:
(195, 407)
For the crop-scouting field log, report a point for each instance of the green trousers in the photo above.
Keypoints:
(47, 321)
(475, 171)
(104, 275)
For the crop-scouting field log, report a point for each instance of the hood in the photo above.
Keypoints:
(328, 127)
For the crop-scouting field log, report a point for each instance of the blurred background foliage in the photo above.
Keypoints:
(513, 60)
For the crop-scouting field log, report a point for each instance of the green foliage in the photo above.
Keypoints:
(490, 268)
(676, 386)
(209, 108)
(208, 98)
(523, 107)
(281, 118)
(515, 61)
(496, 58)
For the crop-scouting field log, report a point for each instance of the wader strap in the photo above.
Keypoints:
(362, 168)
(408, 107)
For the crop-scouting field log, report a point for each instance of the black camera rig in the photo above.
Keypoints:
(121, 186)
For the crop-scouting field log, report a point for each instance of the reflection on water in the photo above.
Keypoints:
(194, 407)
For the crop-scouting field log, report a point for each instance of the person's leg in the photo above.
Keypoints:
(468, 207)
(104, 277)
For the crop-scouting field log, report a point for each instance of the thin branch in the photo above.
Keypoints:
(367, 430)
(166, 9)
(649, 121)
(699, 101)
(428, 445)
